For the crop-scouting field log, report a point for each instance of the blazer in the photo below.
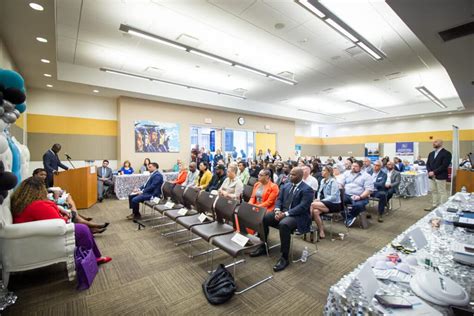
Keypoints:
(300, 205)
(440, 164)
(216, 182)
(379, 182)
(269, 195)
(51, 162)
(152, 186)
(395, 180)
(182, 175)
(107, 174)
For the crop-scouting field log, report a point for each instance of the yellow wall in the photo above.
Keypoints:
(49, 124)
(264, 141)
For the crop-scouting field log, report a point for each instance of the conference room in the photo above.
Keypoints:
(308, 157)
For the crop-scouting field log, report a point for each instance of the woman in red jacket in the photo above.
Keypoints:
(183, 173)
(265, 192)
(30, 203)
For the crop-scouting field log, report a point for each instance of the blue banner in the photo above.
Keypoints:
(405, 148)
(212, 141)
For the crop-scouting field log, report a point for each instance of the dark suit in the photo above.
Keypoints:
(151, 188)
(51, 163)
(102, 185)
(299, 215)
(439, 166)
(380, 191)
(216, 182)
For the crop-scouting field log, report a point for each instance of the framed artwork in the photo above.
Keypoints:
(156, 137)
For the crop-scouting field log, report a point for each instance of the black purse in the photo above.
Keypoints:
(219, 287)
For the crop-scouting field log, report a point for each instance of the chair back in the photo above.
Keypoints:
(189, 197)
(342, 192)
(167, 190)
(178, 192)
(247, 194)
(225, 209)
(252, 181)
(251, 216)
(205, 203)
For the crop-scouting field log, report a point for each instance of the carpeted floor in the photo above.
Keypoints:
(149, 275)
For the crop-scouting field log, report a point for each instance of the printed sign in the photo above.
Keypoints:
(404, 149)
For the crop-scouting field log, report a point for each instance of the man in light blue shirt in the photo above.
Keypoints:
(357, 188)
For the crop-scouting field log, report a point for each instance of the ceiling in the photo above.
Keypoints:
(275, 36)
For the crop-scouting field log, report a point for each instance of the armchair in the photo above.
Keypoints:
(32, 245)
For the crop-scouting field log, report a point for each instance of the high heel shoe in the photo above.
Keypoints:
(103, 260)
(105, 225)
(99, 231)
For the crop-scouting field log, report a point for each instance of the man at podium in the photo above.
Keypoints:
(51, 163)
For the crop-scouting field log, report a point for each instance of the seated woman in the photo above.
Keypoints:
(265, 192)
(232, 187)
(176, 166)
(126, 168)
(67, 207)
(183, 173)
(30, 203)
(205, 176)
(144, 167)
(328, 201)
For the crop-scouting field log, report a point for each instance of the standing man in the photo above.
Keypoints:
(104, 179)
(51, 163)
(437, 167)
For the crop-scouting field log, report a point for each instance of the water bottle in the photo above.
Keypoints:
(304, 255)
(463, 189)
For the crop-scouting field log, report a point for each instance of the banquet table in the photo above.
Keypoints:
(414, 184)
(125, 184)
(347, 297)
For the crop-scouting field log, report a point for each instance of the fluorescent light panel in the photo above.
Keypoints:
(131, 75)
(311, 8)
(143, 34)
(319, 113)
(341, 30)
(369, 50)
(366, 106)
(427, 93)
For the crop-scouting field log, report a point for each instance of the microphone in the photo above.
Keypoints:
(67, 156)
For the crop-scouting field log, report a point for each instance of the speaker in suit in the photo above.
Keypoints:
(104, 179)
(51, 163)
(292, 211)
(151, 188)
(437, 167)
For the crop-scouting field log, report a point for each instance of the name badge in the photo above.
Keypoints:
(183, 211)
(169, 204)
(240, 239)
(156, 200)
(202, 218)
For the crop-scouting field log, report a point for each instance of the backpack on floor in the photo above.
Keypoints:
(219, 286)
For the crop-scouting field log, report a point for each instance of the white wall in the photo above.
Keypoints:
(50, 102)
(307, 130)
(421, 124)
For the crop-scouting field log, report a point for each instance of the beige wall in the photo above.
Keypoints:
(130, 110)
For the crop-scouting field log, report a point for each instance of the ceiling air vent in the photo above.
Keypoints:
(240, 91)
(457, 32)
(394, 75)
(287, 74)
(155, 71)
(354, 50)
(188, 40)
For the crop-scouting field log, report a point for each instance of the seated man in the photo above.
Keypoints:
(292, 211)
(284, 177)
(217, 179)
(380, 178)
(393, 180)
(357, 188)
(367, 167)
(151, 188)
(309, 179)
(192, 175)
(104, 179)
(243, 173)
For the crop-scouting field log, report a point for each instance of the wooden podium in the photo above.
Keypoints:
(464, 178)
(81, 183)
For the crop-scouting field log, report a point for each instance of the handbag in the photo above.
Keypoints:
(86, 267)
(219, 287)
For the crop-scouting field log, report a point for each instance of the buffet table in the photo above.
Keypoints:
(414, 183)
(348, 296)
(125, 184)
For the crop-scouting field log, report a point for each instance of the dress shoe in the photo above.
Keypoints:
(281, 265)
(101, 199)
(131, 216)
(380, 219)
(369, 216)
(260, 251)
(429, 209)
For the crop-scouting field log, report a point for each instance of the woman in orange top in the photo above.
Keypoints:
(265, 192)
(183, 173)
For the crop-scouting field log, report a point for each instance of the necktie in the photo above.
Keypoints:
(290, 197)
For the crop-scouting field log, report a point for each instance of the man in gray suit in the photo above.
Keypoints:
(104, 179)
(393, 180)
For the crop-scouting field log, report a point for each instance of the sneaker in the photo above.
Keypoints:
(429, 209)
(350, 221)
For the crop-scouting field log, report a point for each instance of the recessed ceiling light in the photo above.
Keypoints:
(46, 61)
(49, 85)
(95, 91)
(41, 39)
(47, 75)
(36, 6)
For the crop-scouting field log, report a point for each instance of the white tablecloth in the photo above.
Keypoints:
(414, 185)
(125, 184)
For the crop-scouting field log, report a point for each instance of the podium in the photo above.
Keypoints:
(81, 183)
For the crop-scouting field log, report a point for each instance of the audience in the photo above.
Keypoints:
(278, 169)
(292, 211)
(379, 192)
(144, 167)
(265, 192)
(254, 169)
(182, 174)
(30, 203)
(367, 167)
(204, 177)
(176, 166)
(268, 156)
(232, 187)
(284, 176)
(419, 161)
(260, 156)
(398, 164)
(309, 179)
(243, 172)
(217, 179)
(218, 156)
(357, 188)
(150, 189)
(126, 168)
(104, 179)
(329, 198)
(192, 175)
(276, 156)
(393, 180)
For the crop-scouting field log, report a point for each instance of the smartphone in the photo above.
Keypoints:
(393, 301)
